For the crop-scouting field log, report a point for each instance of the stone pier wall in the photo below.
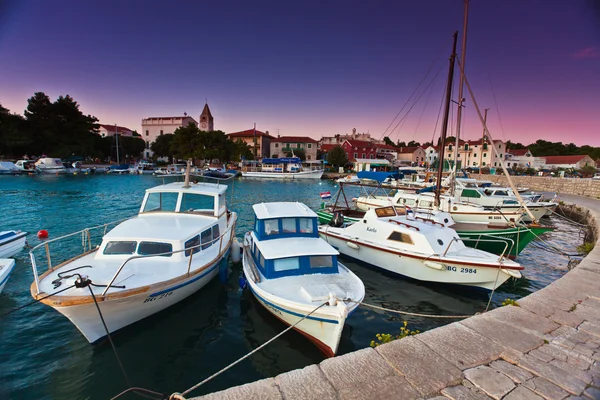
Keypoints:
(581, 187)
(546, 348)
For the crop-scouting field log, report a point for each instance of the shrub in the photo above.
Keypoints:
(386, 337)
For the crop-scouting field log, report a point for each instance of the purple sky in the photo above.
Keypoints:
(308, 68)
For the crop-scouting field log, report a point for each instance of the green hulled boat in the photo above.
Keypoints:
(493, 238)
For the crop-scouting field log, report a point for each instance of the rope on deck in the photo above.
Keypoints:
(181, 396)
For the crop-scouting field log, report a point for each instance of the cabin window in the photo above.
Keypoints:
(500, 193)
(271, 227)
(286, 264)
(120, 247)
(288, 225)
(215, 231)
(149, 248)
(400, 237)
(161, 201)
(262, 260)
(192, 246)
(385, 212)
(306, 225)
(425, 203)
(206, 238)
(191, 202)
(321, 261)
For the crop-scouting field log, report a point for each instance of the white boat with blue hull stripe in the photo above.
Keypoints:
(12, 242)
(6, 267)
(294, 274)
(170, 250)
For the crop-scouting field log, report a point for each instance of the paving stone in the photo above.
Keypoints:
(293, 384)
(592, 393)
(570, 338)
(566, 318)
(503, 334)
(543, 355)
(588, 313)
(511, 355)
(352, 369)
(265, 389)
(490, 381)
(462, 393)
(438, 398)
(460, 345)
(538, 306)
(426, 370)
(546, 389)
(590, 328)
(522, 393)
(595, 368)
(390, 387)
(515, 373)
(523, 319)
(585, 376)
(566, 380)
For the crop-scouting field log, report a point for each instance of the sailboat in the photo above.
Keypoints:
(119, 168)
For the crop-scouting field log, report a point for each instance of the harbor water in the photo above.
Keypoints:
(43, 356)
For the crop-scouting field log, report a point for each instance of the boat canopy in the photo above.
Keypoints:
(379, 176)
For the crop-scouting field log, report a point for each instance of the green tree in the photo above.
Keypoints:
(186, 142)
(14, 139)
(241, 149)
(388, 141)
(412, 143)
(214, 145)
(401, 144)
(162, 145)
(300, 153)
(132, 146)
(337, 157)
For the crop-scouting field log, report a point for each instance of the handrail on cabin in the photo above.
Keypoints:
(405, 224)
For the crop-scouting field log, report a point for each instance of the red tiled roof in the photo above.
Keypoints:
(249, 133)
(360, 143)
(111, 128)
(295, 139)
(405, 150)
(327, 147)
(386, 146)
(564, 159)
(518, 152)
(434, 147)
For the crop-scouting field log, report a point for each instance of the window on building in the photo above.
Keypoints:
(298, 145)
(309, 157)
(276, 145)
(364, 155)
(495, 164)
(484, 155)
(147, 133)
(355, 155)
(372, 157)
(474, 163)
(474, 154)
(484, 163)
(309, 145)
(161, 131)
(450, 147)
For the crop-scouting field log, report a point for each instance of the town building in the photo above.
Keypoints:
(339, 139)
(110, 130)
(576, 161)
(368, 164)
(523, 158)
(476, 153)
(259, 142)
(207, 122)
(284, 146)
(431, 154)
(359, 149)
(415, 155)
(154, 127)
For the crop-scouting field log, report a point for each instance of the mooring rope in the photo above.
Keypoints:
(411, 314)
(180, 396)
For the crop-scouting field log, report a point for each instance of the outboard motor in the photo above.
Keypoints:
(337, 220)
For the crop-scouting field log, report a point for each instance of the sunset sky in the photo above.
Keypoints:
(311, 68)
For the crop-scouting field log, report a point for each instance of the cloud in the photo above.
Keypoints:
(587, 52)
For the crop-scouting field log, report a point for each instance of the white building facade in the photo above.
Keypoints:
(154, 127)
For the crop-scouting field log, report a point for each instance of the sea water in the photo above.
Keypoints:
(43, 355)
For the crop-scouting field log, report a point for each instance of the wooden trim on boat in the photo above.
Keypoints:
(414, 256)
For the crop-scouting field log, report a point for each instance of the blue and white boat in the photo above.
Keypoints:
(291, 272)
(12, 242)
(283, 168)
(6, 267)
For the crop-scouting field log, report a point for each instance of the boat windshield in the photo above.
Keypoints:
(161, 201)
(193, 202)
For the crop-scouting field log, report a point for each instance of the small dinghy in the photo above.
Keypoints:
(12, 242)
(291, 272)
(6, 267)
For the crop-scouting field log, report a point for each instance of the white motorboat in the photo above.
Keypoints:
(282, 168)
(291, 272)
(348, 179)
(8, 168)
(12, 242)
(425, 202)
(26, 167)
(6, 267)
(143, 168)
(170, 250)
(425, 250)
(48, 165)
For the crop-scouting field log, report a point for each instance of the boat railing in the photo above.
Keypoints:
(229, 230)
(505, 241)
(86, 244)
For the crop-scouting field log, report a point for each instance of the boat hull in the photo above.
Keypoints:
(431, 269)
(284, 175)
(14, 245)
(121, 312)
(6, 268)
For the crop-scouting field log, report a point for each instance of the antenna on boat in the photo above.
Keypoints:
(188, 168)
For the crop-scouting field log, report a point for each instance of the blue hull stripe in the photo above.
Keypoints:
(329, 321)
(192, 280)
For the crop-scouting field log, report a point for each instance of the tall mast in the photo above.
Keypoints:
(438, 184)
(483, 140)
(117, 139)
(463, 53)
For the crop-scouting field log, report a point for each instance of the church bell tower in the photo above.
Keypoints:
(207, 123)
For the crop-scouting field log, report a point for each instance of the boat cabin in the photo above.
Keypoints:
(285, 242)
(199, 198)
